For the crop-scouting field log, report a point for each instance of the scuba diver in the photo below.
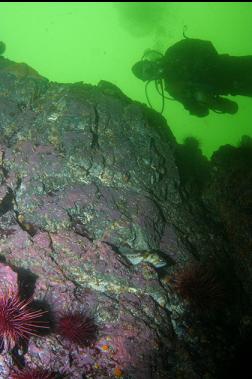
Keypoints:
(197, 76)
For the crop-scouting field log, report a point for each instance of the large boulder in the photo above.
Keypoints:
(102, 211)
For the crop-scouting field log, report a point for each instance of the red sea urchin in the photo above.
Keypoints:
(78, 328)
(200, 286)
(29, 373)
(17, 320)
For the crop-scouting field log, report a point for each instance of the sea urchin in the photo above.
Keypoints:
(17, 320)
(78, 328)
(200, 286)
(29, 373)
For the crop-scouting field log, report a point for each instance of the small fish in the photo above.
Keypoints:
(135, 257)
(53, 117)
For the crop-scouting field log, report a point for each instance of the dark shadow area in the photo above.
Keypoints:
(56, 375)
(194, 167)
(6, 203)
(240, 362)
(26, 283)
(17, 356)
(46, 320)
(2, 259)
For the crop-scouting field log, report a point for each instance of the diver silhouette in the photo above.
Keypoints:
(197, 76)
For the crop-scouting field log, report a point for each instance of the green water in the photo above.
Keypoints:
(69, 42)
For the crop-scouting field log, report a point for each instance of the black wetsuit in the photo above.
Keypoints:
(196, 75)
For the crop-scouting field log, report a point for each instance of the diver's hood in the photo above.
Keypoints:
(147, 70)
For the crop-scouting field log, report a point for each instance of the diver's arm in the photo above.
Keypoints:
(184, 94)
(215, 103)
(198, 102)
(223, 105)
(195, 108)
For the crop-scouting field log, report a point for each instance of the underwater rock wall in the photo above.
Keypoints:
(100, 212)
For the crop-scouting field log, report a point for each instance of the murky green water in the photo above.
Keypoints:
(69, 42)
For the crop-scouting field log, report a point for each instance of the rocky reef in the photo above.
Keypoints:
(103, 212)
